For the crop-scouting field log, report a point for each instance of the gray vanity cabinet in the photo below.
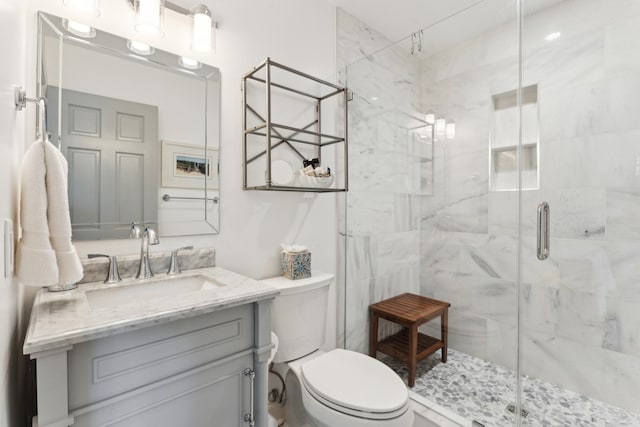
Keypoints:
(190, 372)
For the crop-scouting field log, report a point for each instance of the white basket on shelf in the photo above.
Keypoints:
(315, 181)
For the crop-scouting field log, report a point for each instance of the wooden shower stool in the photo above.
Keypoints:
(408, 346)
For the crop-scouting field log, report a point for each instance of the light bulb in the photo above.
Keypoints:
(201, 37)
(440, 125)
(451, 129)
(149, 16)
(140, 48)
(189, 63)
(79, 29)
(430, 118)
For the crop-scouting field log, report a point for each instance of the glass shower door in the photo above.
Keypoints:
(580, 306)
(381, 228)
(424, 213)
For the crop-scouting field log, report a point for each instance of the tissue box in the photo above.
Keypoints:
(296, 265)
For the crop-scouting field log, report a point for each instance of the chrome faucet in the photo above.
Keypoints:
(149, 237)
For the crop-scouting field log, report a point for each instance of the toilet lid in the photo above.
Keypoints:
(355, 381)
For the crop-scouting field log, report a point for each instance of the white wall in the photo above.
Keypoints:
(299, 33)
(12, 48)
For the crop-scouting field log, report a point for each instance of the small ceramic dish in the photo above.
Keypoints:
(281, 173)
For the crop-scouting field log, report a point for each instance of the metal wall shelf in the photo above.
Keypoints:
(273, 187)
(312, 91)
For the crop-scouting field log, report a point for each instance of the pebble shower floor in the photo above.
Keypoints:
(480, 390)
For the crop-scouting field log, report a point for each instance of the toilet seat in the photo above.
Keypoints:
(355, 384)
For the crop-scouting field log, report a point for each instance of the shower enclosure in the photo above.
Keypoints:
(495, 164)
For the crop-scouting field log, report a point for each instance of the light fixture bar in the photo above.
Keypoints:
(179, 9)
(175, 8)
(88, 7)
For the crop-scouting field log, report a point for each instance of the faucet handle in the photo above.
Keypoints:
(174, 267)
(113, 276)
(152, 235)
(135, 232)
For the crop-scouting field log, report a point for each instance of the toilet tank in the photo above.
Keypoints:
(299, 314)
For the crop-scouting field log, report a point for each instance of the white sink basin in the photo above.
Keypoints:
(142, 292)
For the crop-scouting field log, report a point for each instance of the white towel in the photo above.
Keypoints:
(69, 265)
(45, 255)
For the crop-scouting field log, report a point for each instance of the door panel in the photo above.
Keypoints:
(130, 187)
(84, 187)
(113, 152)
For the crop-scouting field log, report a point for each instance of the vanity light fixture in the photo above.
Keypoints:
(149, 16)
(188, 63)
(140, 48)
(430, 118)
(450, 129)
(88, 7)
(201, 35)
(79, 29)
(441, 124)
(149, 19)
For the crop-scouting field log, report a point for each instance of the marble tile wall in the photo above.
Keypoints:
(380, 233)
(581, 307)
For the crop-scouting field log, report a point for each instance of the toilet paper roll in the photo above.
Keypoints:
(274, 350)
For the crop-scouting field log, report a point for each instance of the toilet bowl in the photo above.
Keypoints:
(342, 388)
(338, 388)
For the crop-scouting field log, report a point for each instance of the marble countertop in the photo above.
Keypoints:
(60, 319)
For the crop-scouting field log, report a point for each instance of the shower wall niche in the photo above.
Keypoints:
(503, 154)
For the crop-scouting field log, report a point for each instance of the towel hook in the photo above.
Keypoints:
(21, 99)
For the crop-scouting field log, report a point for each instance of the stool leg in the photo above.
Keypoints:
(373, 333)
(413, 353)
(444, 332)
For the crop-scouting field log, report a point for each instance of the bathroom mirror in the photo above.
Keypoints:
(140, 131)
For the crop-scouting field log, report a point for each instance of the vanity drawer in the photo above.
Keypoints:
(110, 366)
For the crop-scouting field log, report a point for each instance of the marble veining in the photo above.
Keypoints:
(96, 269)
(382, 220)
(583, 300)
(480, 390)
(476, 243)
(59, 319)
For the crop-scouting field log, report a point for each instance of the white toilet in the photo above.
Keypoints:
(339, 388)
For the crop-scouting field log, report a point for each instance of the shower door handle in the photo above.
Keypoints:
(543, 231)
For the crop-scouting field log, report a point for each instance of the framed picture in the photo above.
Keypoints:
(188, 166)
